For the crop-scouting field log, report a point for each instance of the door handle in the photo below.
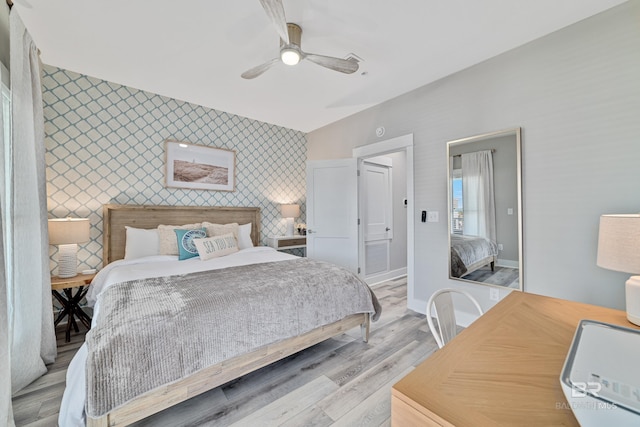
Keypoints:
(309, 231)
(387, 229)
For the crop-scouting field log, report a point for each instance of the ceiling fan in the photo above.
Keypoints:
(290, 51)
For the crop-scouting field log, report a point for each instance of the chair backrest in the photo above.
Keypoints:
(445, 314)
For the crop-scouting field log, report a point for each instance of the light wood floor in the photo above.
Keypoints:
(339, 382)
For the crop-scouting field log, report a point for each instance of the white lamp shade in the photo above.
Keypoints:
(64, 231)
(290, 211)
(619, 243)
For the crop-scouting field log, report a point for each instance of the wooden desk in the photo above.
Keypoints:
(504, 369)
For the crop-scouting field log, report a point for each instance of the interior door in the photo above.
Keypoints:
(332, 211)
(377, 215)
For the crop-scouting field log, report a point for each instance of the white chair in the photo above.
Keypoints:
(445, 314)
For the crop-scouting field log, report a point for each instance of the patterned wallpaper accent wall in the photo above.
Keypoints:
(105, 144)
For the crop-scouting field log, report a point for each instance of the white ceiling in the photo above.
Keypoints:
(195, 50)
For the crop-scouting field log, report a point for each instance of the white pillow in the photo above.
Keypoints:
(220, 229)
(244, 236)
(212, 247)
(141, 242)
(242, 233)
(167, 237)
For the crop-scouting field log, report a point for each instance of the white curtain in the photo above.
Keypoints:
(478, 195)
(6, 413)
(32, 336)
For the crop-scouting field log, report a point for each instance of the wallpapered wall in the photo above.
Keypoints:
(105, 144)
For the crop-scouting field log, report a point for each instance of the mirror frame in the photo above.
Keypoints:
(517, 132)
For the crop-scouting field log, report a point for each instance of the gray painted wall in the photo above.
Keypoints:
(576, 94)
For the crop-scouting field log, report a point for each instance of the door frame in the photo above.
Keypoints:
(394, 145)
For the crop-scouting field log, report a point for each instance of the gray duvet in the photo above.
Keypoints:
(471, 249)
(154, 331)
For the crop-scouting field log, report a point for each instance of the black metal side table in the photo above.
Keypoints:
(71, 301)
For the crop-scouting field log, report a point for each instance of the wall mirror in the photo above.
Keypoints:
(485, 209)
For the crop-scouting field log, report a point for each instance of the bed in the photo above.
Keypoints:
(138, 302)
(469, 253)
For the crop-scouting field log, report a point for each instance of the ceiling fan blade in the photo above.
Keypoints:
(346, 66)
(275, 12)
(256, 71)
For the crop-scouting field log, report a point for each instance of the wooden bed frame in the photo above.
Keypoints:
(163, 397)
(490, 260)
(116, 217)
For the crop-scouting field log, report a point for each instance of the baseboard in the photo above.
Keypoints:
(507, 263)
(393, 274)
(417, 305)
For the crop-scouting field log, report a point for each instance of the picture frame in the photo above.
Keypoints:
(199, 167)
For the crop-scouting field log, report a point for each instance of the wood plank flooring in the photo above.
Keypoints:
(501, 276)
(339, 382)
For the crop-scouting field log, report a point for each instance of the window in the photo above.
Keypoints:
(457, 209)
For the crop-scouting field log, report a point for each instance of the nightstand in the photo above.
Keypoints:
(288, 242)
(70, 301)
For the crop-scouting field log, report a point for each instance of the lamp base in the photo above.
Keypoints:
(67, 261)
(289, 232)
(632, 294)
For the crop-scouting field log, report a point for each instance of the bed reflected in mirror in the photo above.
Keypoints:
(485, 209)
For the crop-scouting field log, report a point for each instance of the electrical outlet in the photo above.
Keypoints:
(494, 294)
(432, 216)
(500, 247)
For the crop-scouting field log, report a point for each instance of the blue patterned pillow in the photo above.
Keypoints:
(186, 248)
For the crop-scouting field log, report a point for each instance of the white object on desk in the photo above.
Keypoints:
(600, 378)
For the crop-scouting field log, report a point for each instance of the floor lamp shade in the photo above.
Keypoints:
(290, 212)
(67, 233)
(619, 250)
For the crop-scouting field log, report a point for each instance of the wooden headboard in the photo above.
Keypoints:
(116, 217)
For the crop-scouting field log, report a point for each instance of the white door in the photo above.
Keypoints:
(376, 186)
(376, 215)
(332, 211)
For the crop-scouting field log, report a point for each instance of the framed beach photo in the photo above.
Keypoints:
(199, 167)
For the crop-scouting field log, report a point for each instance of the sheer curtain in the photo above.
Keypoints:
(31, 323)
(6, 413)
(478, 195)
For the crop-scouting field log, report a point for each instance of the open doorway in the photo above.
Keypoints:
(385, 256)
(382, 206)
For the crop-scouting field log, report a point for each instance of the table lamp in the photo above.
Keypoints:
(67, 233)
(289, 212)
(619, 250)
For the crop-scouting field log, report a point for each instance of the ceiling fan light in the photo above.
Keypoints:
(290, 56)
